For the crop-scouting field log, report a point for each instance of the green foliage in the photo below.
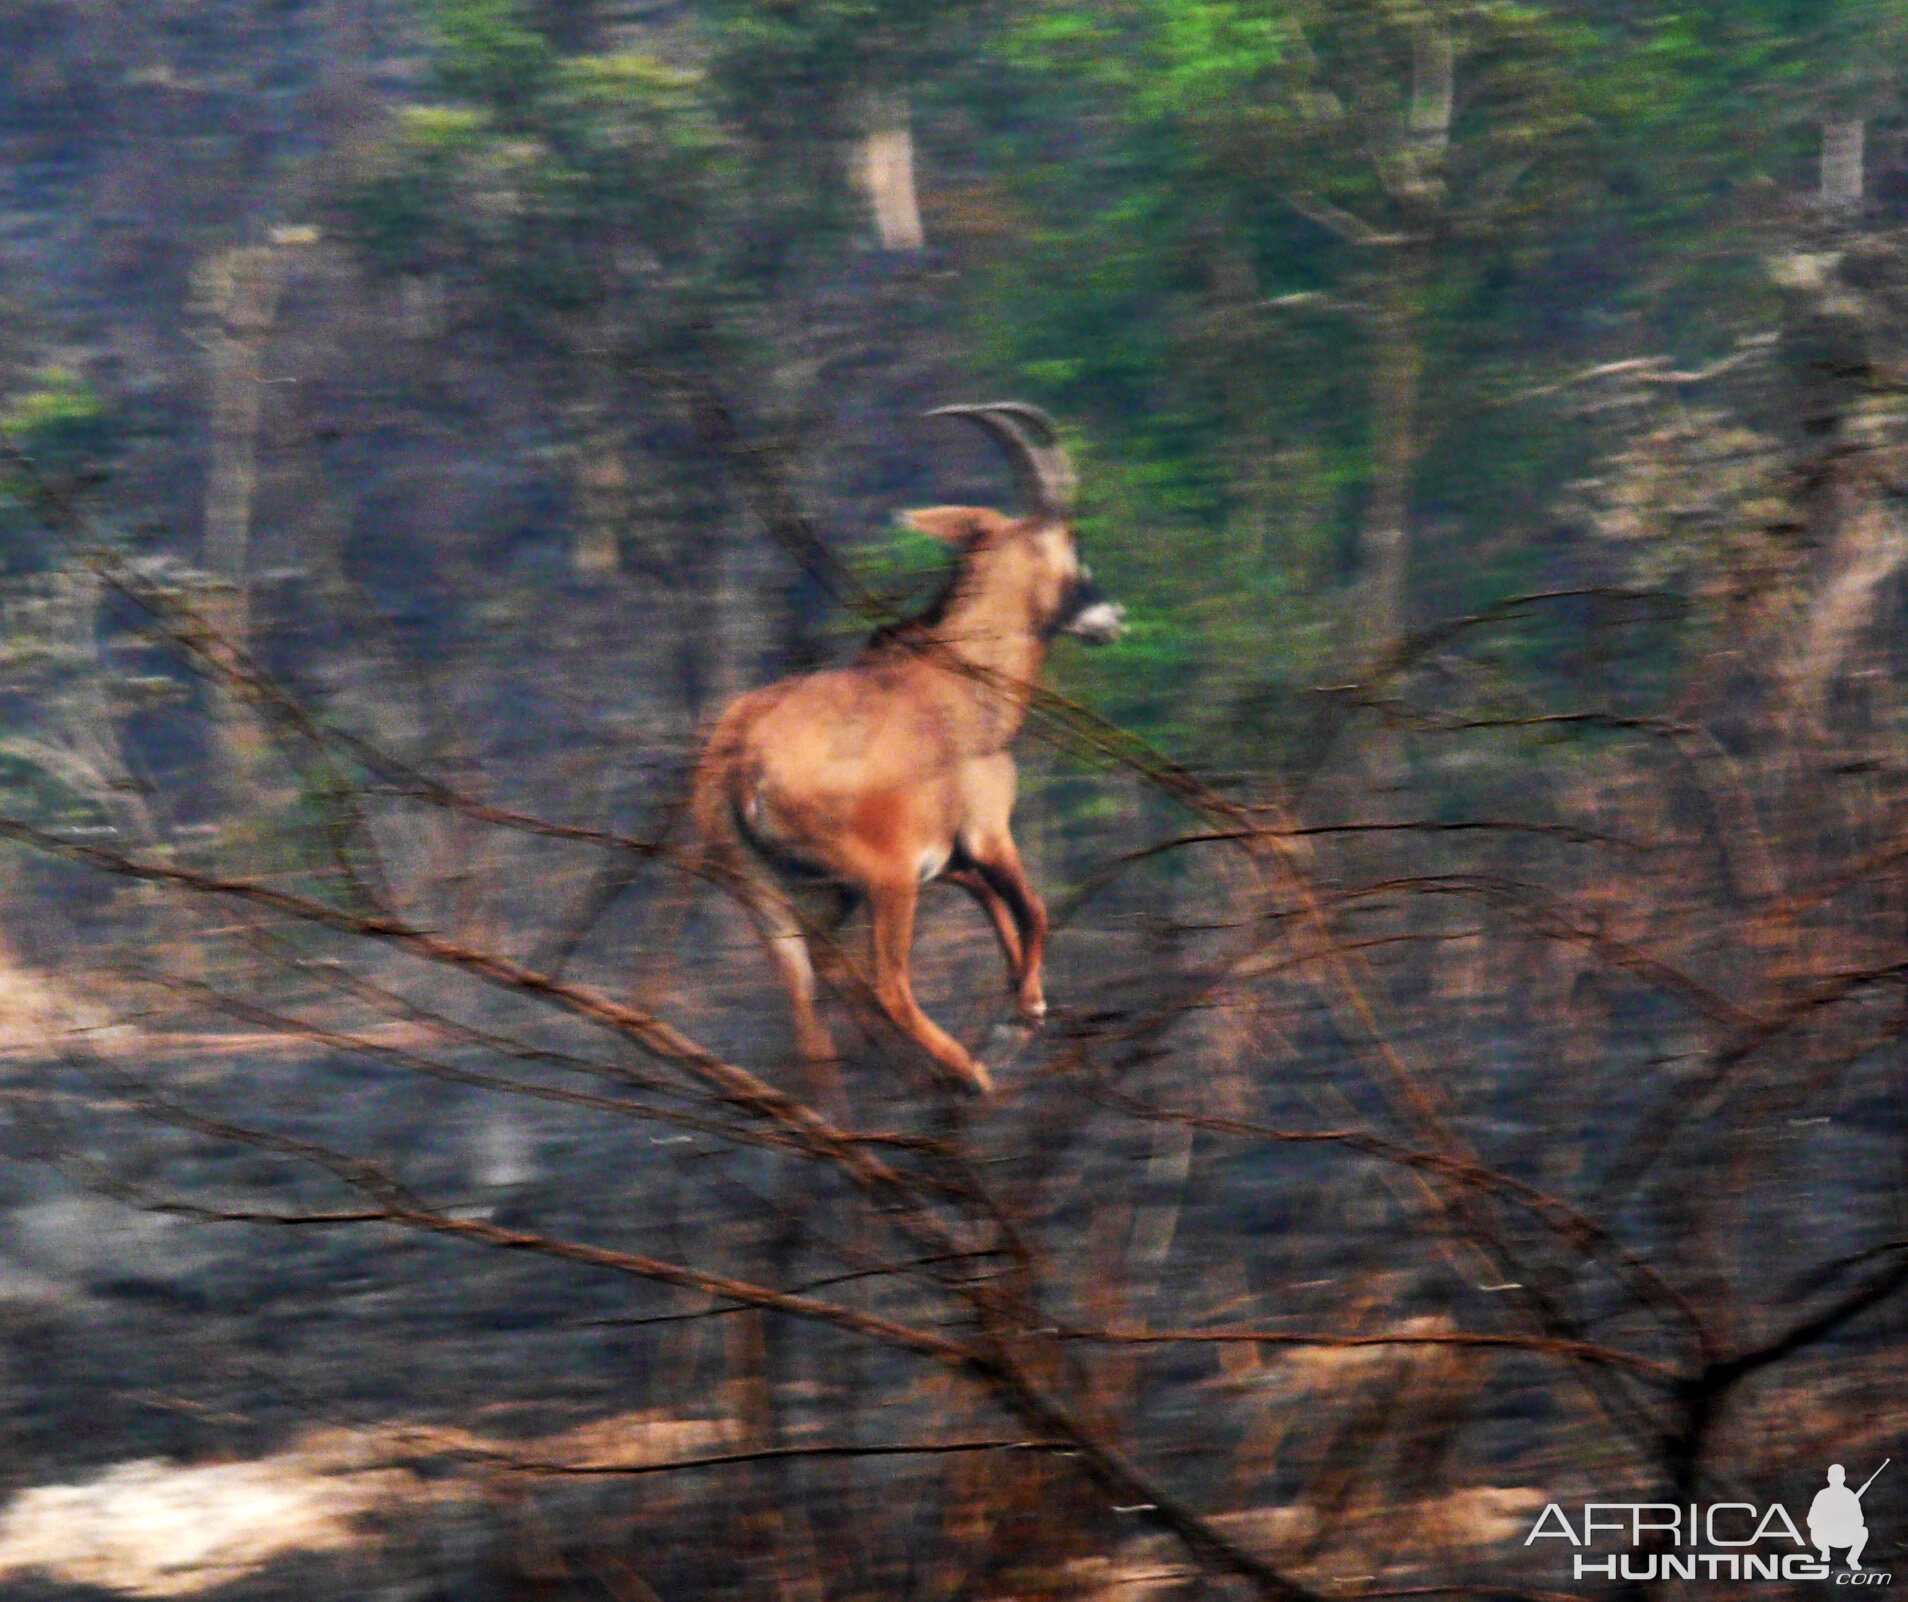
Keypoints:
(57, 416)
(1175, 223)
(488, 55)
(57, 419)
(826, 50)
(550, 184)
(796, 80)
(1182, 277)
(1173, 57)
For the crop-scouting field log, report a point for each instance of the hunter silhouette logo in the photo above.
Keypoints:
(1717, 1540)
(1835, 1516)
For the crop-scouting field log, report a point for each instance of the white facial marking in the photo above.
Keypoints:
(1101, 623)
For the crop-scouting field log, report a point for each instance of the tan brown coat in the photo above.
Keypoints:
(893, 771)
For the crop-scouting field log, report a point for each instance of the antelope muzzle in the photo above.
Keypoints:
(1090, 616)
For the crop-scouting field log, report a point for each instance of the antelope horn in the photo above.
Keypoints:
(1032, 443)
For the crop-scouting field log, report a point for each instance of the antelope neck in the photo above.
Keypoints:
(991, 630)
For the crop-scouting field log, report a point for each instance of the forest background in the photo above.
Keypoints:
(1474, 1077)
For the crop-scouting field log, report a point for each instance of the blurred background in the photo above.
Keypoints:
(1480, 875)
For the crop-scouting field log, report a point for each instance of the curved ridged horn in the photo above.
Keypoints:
(1032, 443)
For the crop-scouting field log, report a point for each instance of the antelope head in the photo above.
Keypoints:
(1058, 588)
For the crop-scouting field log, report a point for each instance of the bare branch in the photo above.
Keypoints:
(1576, 1351)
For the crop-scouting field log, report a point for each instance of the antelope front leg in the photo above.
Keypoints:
(892, 915)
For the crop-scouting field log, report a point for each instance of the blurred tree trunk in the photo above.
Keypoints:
(600, 480)
(738, 616)
(887, 170)
(1843, 141)
(1417, 183)
(602, 503)
(1415, 177)
(421, 307)
(237, 293)
(601, 499)
(1839, 328)
(1397, 376)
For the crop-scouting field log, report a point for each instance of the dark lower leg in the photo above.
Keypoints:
(1009, 883)
(1006, 929)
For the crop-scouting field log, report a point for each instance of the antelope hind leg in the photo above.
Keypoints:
(998, 863)
(987, 845)
(780, 931)
(974, 882)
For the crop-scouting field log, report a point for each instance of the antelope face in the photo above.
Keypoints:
(1038, 550)
(1092, 617)
(1077, 607)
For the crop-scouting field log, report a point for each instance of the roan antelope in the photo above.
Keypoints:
(872, 779)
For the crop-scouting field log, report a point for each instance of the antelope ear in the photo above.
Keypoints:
(960, 526)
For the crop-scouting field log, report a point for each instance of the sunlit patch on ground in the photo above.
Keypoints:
(158, 1529)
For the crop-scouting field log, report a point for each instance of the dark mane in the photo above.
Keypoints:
(911, 629)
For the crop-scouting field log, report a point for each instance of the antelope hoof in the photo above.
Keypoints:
(977, 1079)
(1034, 1009)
